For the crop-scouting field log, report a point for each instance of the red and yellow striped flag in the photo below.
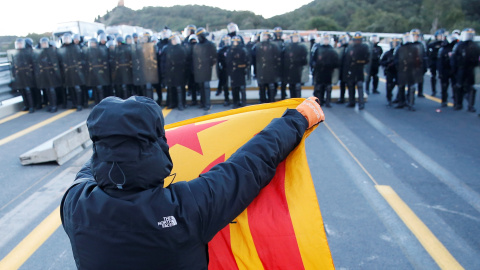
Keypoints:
(283, 227)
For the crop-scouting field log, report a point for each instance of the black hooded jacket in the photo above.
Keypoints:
(117, 213)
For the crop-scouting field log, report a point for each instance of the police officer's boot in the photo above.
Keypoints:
(298, 90)
(206, 90)
(321, 93)
(411, 98)
(78, 97)
(25, 101)
(179, 98)
(262, 93)
(367, 85)
(29, 100)
(52, 99)
(361, 102)
(284, 90)
(329, 96)
(149, 90)
(271, 92)
(471, 99)
(375, 85)
(100, 93)
(458, 91)
(444, 94)
(400, 97)
(341, 99)
(351, 95)
(243, 92)
(433, 81)
(420, 90)
(227, 99)
(125, 94)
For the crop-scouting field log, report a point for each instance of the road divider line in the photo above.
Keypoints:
(427, 239)
(351, 154)
(432, 245)
(35, 127)
(20, 254)
(437, 100)
(11, 117)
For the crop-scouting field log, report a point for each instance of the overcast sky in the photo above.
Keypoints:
(23, 17)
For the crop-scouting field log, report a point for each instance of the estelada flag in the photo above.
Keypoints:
(283, 227)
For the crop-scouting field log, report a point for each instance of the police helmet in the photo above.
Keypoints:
(326, 39)
(110, 44)
(374, 38)
(439, 34)
(416, 34)
(264, 36)
(189, 30)
(236, 40)
(44, 42)
(120, 39)
(92, 43)
(395, 42)
(77, 37)
(128, 39)
(358, 35)
(407, 38)
(99, 32)
(232, 28)
(67, 38)
(226, 41)
(28, 42)
(193, 39)
(134, 35)
(278, 31)
(20, 43)
(102, 37)
(295, 37)
(174, 39)
(467, 34)
(201, 32)
(166, 33)
(344, 39)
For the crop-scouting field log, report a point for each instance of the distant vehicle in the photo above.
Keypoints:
(86, 29)
(124, 30)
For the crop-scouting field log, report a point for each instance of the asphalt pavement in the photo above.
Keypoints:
(397, 189)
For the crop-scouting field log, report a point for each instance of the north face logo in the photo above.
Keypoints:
(168, 222)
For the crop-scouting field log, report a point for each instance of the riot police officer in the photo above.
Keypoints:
(409, 65)
(268, 67)
(98, 69)
(294, 59)
(280, 42)
(417, 40)
(356, 56)
(72, 66)
(432, 54)
(465, 58)
(192, 86)
(445, 72)
(232, 29)
(121, 68)
(238, 61)
(188, 31)
(22, 73)
(377, 52)
(224, 46)
(174, 58)
(204, 58)
(324, 60)
(343, 41)
(389, 69)
(47, 72)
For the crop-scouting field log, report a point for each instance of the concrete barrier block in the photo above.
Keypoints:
(61, 148)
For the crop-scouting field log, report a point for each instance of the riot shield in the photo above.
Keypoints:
(46, 68)
(97, 67)
(204, 59)
(409, 65)
(268, 62)
(175, 63)
(21, 68)
(72, 65)
(144, 64)
(336, 71)
(294, 60)
(121, 65)
(368, 66)
(417, 57)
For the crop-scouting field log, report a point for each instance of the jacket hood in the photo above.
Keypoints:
(130, 150)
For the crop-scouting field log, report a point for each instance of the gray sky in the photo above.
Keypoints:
(23, 17)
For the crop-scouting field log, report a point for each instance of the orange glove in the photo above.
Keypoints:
(310, 108)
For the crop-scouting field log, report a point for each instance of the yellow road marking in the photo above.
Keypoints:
(434, 247)
(165, 112)
(35, 127)
(32, 242)
(11, 117)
